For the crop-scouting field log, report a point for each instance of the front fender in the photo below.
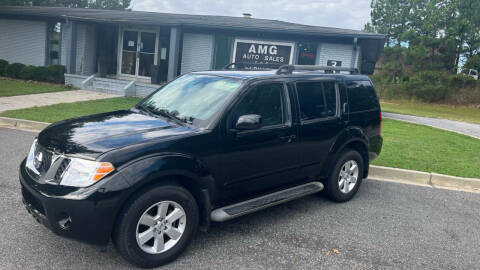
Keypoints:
(172, 167)
(160, 167)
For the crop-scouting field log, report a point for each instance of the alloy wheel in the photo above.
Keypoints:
(160, 227)
(348, 176)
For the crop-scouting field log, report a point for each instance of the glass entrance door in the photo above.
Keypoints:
(139, 53)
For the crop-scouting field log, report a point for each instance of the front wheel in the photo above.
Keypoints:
(156, 226)
(346, 177)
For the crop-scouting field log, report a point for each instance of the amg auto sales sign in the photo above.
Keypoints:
(262, 52)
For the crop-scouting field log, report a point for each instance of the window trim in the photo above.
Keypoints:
(320, 119)
(286, 125)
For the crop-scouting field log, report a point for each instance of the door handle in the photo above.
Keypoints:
(288, 138)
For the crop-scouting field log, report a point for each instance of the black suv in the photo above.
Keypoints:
(208, 146)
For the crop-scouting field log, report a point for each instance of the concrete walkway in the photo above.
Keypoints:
(472, 130)
(27, 101)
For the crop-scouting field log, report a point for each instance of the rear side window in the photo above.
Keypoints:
(361, 96)
(316, 99)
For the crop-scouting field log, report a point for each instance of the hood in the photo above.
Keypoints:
(96, 134)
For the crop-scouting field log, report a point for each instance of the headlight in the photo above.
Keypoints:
(84, 173)
(31, 158)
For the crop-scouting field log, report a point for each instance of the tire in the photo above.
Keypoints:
(334, 189)
(130, 232)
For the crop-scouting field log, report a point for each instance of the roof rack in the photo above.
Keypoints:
(289, 69)
(249, 66)
(286, 69)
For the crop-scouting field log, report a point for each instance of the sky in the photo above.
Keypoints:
(350, 14)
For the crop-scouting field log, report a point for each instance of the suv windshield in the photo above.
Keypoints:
(192, 98)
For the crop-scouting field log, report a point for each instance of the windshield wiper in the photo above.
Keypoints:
(145, 109)
(170, 115)
(164, 113)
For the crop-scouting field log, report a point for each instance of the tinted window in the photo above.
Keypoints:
(330, 97)
(361, 96)
(266, 100)
(317, 99)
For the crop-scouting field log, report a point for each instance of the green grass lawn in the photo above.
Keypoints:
(10, 87)
(459, 113)
(57, 112)
(416, 147)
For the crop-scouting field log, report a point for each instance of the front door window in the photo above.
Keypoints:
(129, 55)
(138, 53)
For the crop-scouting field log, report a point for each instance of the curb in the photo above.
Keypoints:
(434, 180)
(22, 124)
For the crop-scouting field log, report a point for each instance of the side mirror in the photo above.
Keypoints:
(249, 122)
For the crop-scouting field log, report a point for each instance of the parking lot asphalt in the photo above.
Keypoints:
(386, 226)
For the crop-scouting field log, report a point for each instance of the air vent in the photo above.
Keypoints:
(61, 170)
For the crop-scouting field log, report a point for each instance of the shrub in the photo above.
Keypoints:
(56, 73)
(34, 73)
(461, 81)
(14, 70)
(28, 73)
(3, 67)
(428, 86)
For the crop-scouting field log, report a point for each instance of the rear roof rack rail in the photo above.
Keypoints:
(286, 69)
(289, 69)
(251, 66)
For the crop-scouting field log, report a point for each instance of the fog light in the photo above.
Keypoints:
(65, 221)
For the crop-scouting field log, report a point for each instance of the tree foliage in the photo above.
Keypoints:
(426, 41)
(473, 62)
(102, 4)
(444, 30)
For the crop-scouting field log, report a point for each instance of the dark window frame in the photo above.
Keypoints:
(288, 109)
(320, 119)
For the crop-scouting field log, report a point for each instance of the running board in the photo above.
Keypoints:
(256, 204)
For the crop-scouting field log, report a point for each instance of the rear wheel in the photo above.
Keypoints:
(346, 176)
(157, 226)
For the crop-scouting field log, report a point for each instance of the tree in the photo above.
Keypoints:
(473, 62)
(110, 4)
(103, 4)
(469, 22)
(389, 17)
(449, 29)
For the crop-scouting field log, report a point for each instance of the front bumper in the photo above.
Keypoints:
(89, 219)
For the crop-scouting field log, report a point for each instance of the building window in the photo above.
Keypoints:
(54, 41)
(223, 51)
(307, 53)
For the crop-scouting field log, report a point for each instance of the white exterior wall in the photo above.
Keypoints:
(23, 41)
(334, 51)
(197, 53)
